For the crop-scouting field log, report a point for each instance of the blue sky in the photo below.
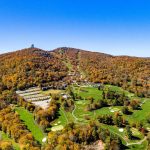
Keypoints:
(118, 27)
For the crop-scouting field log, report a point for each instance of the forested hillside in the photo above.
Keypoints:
(78, 111)
(131, 73)
(29, 67)
(35, 67)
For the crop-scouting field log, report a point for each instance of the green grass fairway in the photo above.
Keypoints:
(119, 89)
(81, 116)
(63, 119)
(122, 135)
(140, 115)
(137, 116)
(135, 132)
(90, 92)
(28, 119)
(142, 146)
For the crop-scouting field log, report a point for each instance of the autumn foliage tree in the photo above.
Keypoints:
(11, 124)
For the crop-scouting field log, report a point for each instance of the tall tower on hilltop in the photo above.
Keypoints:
(32, 46)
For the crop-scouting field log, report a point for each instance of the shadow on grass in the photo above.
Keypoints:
(135, 138)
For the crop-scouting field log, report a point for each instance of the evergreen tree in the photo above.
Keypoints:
(129, 133)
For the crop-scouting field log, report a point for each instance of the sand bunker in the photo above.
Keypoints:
(57, 128)
(121, 130)
(114, 109)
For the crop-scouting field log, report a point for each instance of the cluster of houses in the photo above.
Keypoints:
(89, 84)
(35, 96)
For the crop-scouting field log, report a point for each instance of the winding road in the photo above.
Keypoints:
(73, 113)
(128, 143)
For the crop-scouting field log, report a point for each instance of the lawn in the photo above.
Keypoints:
(140, 115)
(120, 90)
(28, 119)
(142, 146)
(81, 115)
(115, 130)
(81, 112)
(86, 92)
(78, 115)
(137, 116)
(63, 119)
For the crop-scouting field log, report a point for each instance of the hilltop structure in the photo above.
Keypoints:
(32, 46)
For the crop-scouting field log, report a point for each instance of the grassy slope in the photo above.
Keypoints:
(119, 89)
(91, 92)
(138, 115)
(28, 119)
(80, 112)
(68, 65)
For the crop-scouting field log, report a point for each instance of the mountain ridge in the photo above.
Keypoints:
(55, 49)
(33, 66)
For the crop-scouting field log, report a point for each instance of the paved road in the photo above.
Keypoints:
(73, 113)
(128, 143)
